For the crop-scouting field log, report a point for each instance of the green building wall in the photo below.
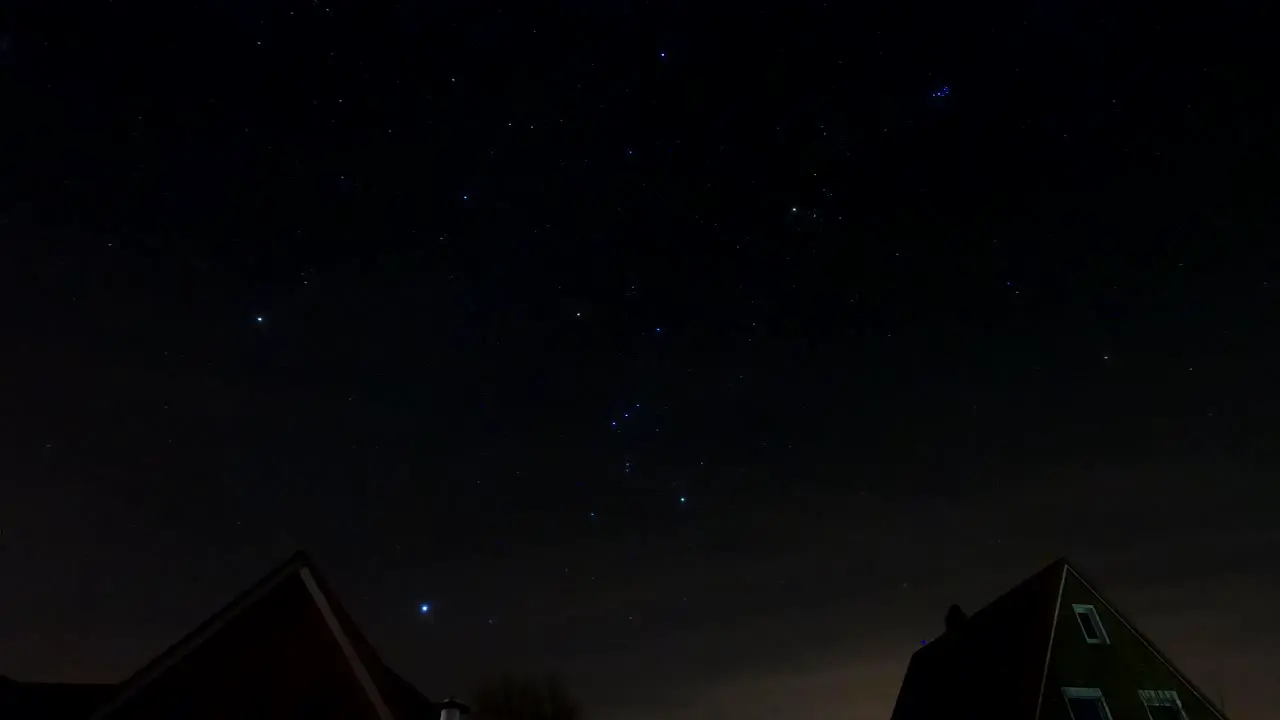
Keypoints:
(1120, 669)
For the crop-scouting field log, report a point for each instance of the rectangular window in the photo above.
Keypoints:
(1086, 704)
(1094, 633)
(1162, 704)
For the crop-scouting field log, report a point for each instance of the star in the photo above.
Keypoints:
(424, 609)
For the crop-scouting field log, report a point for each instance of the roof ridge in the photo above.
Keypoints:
(298, 564)
(1027, 579)
(340, 634)
(982, 612)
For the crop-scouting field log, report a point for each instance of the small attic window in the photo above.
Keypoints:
(1162, 704)
(1094, 633)
(1086, 703)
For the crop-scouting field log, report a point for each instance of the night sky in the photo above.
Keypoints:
(702, 353)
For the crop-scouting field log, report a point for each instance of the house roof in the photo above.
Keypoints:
(1006, 644)
(294, 587)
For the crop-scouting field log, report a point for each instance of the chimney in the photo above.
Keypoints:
(451, 709)
(955, 618)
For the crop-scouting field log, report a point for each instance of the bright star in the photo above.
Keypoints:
(682, 499)
(259, 319)
(424, 608)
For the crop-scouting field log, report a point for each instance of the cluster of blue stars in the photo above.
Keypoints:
(625, 415)
(945, 91)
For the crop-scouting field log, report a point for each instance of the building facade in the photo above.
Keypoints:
(1052, 648)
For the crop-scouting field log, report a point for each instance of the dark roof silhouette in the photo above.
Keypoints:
(50, 701)
(283, 648)
(451, 703)
(998, 658)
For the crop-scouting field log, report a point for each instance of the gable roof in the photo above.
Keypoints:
(390, 695)
(1007, 644)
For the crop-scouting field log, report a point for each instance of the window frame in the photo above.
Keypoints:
(1081, 693)
(1161, 698)
(1092, 612)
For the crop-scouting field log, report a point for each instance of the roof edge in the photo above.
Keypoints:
(980, 612)
(357, 665)
(1053, 631)
(192, 640)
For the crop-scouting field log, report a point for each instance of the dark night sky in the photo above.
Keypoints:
(700, 352)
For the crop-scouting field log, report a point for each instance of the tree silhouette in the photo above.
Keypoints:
(509, 697)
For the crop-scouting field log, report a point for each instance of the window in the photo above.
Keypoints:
(1086, 704)
(1162, 704)
(1091, 625)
